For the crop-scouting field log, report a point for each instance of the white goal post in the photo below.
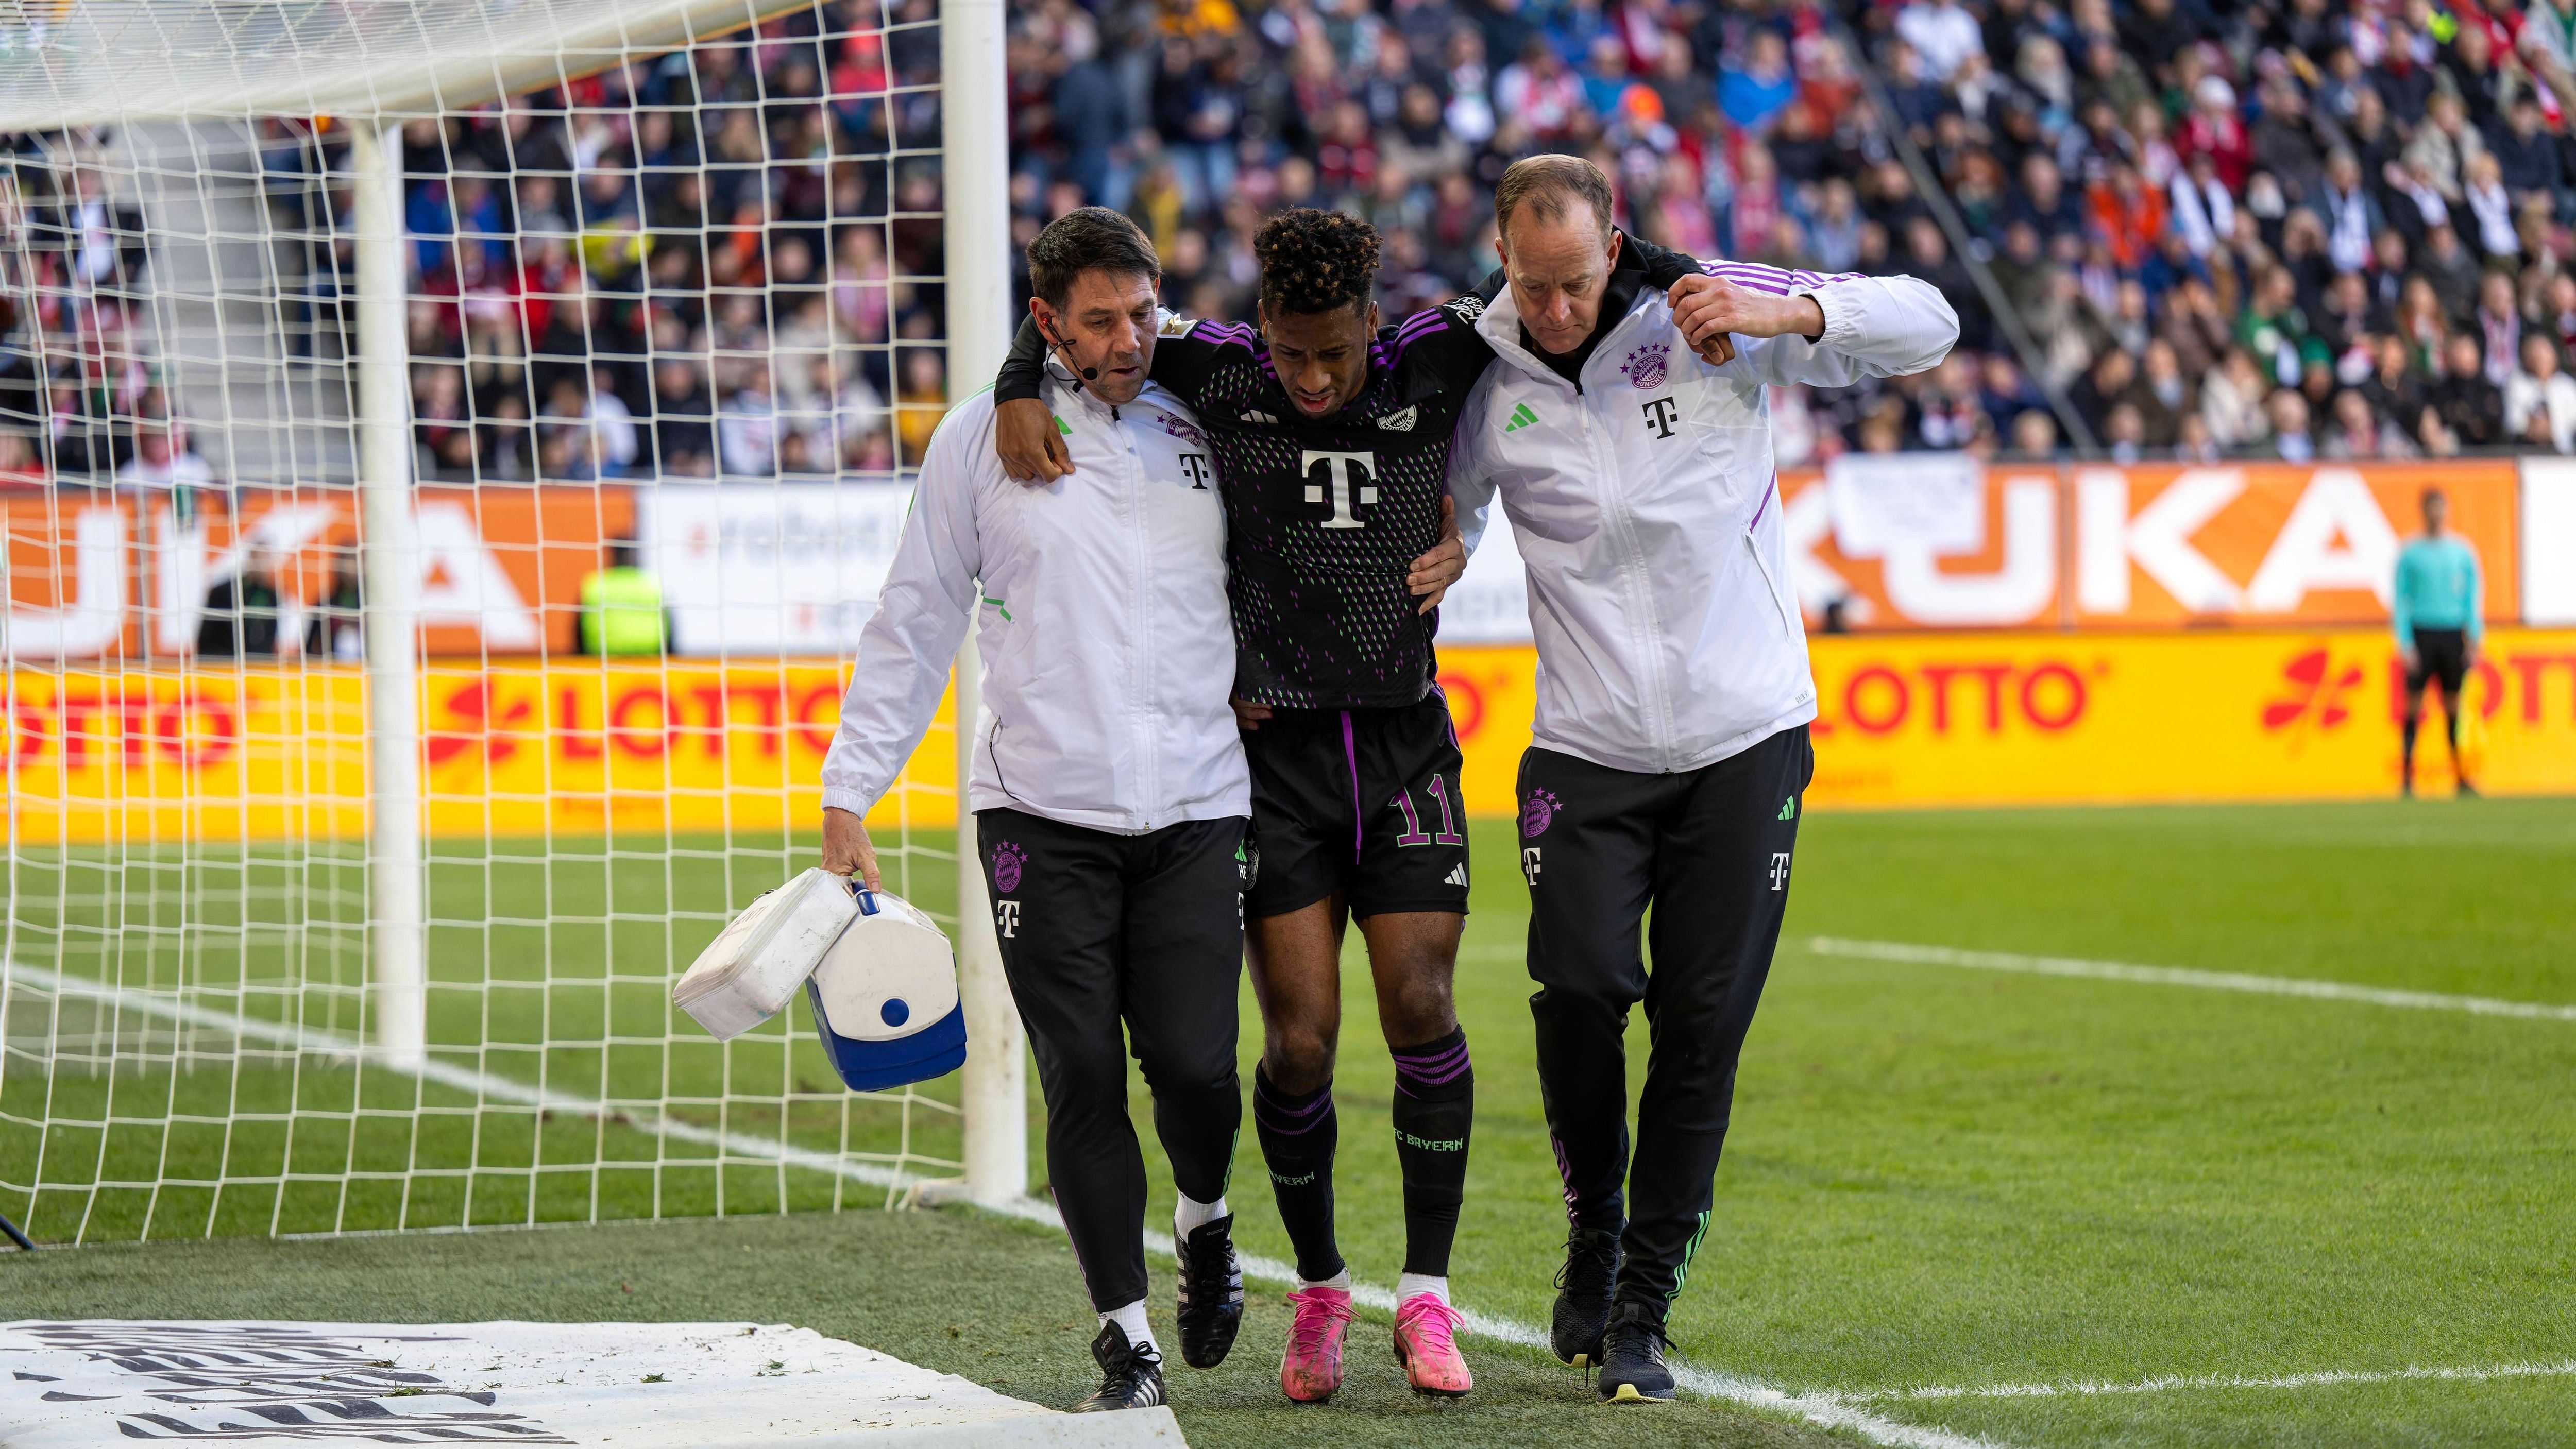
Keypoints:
(122, 95)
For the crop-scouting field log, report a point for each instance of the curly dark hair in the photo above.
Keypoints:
(1314, 261)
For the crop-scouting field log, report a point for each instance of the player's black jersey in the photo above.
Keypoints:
(1324, 518)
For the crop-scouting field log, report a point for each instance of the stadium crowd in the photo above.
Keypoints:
(2297, 228)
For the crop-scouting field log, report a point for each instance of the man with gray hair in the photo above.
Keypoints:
(1631, 444)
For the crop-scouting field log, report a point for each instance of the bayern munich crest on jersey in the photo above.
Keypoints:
(1008, 861)
(1180, 429)
(1538, 812)
(1645, 367)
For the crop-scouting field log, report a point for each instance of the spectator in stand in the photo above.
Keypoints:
(683, 430)
(2540, 398)
(164, 460)
(2358, 432)
(1942, 32)
(2470, 407)
(2291, 441)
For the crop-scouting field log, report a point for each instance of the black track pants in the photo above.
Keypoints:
(1096, 929)
(1711, 850)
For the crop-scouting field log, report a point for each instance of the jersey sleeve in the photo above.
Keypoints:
(1663, 265)
(901, 667)
(1025, 368)
(1874, 326)
(1186, 352)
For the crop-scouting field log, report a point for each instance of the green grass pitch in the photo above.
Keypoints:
(1938, 1177)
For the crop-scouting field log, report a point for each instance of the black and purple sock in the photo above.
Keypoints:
(1435, 1111)
(1299, 1133)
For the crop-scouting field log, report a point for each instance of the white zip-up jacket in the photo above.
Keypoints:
(1107, 645)
(1646, 509)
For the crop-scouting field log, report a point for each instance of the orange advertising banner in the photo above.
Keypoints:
(2097, 546)
(2275, 542)
(97, 575)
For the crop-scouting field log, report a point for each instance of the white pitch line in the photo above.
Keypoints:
(447, 1074)
(2078, 967)
(1833, 1411)
(2317, 1379)
(1829, 1410)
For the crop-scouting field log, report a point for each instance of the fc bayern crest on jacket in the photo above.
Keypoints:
(1645, 367)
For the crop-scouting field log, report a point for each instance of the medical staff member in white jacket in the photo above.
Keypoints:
(1673, 697)
(1109, 787)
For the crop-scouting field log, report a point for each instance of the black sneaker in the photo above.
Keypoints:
(1583, 1296)
(1130, 1378)
(1632, 1360)
(1211, 1307)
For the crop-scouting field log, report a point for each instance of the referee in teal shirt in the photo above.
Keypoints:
(2436, 617)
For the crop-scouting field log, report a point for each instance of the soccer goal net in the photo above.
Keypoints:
(448, 451)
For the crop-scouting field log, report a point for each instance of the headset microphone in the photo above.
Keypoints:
(1089, 374)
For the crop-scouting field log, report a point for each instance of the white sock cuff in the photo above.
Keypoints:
(1192, 1214)
(1130, 1319)
(1409, 1284)
(1340, 1280)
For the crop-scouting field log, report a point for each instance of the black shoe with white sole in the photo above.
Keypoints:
(1130, 1377)
(1632, 1359)
(1583, 1296)
(1211, 1306)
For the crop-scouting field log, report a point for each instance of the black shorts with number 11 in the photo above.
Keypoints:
(1360, 801)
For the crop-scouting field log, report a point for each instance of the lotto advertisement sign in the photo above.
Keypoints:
(1991, 719)
(235, 753)
(252, 754)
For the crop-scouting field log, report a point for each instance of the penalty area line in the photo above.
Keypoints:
(2081, 969)
(1829, 1410)
(2321, 1378)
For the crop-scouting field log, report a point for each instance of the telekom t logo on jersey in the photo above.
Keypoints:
(1351, 478)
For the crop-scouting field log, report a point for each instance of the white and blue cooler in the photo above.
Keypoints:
(885, 998)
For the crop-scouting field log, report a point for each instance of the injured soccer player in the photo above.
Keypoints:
(1332, 434)
(1670, 740)
(1109, 790)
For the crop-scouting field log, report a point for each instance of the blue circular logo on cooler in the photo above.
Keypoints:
(894, 1012)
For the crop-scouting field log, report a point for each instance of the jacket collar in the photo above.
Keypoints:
(1500, 326)
(1062, 394)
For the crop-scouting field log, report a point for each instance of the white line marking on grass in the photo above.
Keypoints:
(447, 1074)
(2184, 976)
(1829, 1410)
(2317, 1379)
(1834, 1411)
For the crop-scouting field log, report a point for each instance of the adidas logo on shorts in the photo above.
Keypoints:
(1457, 875)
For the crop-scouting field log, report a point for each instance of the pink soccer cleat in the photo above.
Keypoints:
(1312, 1369)
(1426, 1344)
